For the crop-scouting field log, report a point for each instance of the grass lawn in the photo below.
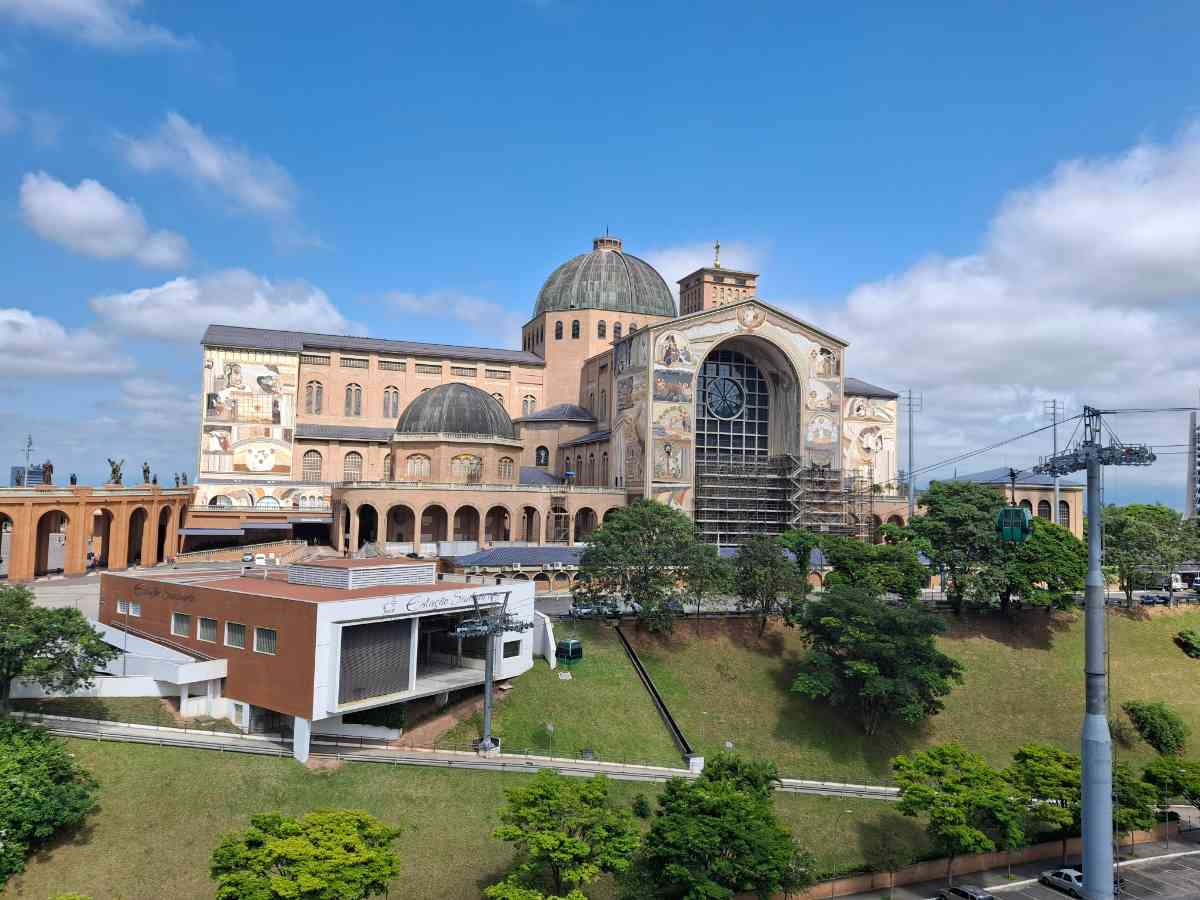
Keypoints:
(162, 810)
(133, 710)
(1023, 683)
(602, 707)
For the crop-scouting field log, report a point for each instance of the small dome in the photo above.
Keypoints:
(606, 278)
(456, 409)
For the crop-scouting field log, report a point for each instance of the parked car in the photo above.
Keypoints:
(1069, 880)
(964, 892)
(248, 557)
(260, 559)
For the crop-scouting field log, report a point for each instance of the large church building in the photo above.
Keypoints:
(728, 409)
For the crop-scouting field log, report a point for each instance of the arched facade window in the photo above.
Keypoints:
(633, 326)
(616, 331)
(604, 469)
(314, 397)
(603, 404)
(575, 329)
(558, 330)
(505, 468)
(312, 465)
(1043, 509)
(266, 503)
(541, 456)
(1027, 506)
(352, 466)
(387, 467)
(1064, 513)
(528, 404)
(578, 468)
(220, 500)
(591, 405)
(466, 468)
(601, 330)
(417, 467)
(591, 476)
(391, 402)
(354, 396)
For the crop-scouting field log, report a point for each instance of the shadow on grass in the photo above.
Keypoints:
(1023, 629)
(79, 836)
(876, 834)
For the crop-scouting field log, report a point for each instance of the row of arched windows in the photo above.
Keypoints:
(1044, 507)
(314, 400)
(589, 473)
(533, 338)
(464, 468)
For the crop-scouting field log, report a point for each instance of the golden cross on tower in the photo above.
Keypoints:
(717, 255)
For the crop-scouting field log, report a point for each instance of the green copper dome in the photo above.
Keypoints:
(608, 279)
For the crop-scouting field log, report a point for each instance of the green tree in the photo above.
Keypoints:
(57, 648)
(329, 854)
(765, 579)
(1159, 725)
(1046, 569)
(1174, 777)
(567, 833)
(707, 574)
(801, 543)
(959, 526)
(886, 851)
(1145, 541)
(717, 837)
(881, 568)
(1049, 780)
(1135, 803)
(42, 791)
(969, 806)
(878, 659)
(638, 554)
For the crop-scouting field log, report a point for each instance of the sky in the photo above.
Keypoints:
(995, 204)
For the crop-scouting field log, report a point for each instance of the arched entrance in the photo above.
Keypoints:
(368, 524)
(876, 535)
(164, 529)
(7, 537)
(51, 547)
(608, 514)
(531, 525)
(562, 581)
(558, 524)
(433, 524)
(895, 520)
(137, 533)
(585, 524)
(541, 583)
(466, 524)
(496, 525)
(101, 532)
(401, 524)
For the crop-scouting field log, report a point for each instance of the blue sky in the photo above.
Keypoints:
(993, 204)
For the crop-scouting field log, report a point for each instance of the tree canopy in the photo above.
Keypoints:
(57, 648)
(877, 659)
(638, 554)
(707, 574)
(567, 833)
(1174, 777)
(42, 790)
(1146, 541)
(717, 837)
(881, 568)
(765, 579)
(329, 854)
(959, 526)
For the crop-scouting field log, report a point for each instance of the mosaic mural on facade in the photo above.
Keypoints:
(672, 460)
(869, 437)
(673, 352)
(249, 413)
(672, 386)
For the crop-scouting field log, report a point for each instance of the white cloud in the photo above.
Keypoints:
(33, 346)
(256, 184)
(676, 261)
(182, 308)
(157, 405)
(493, 324)
(100, 23)
(1085, 289)
(92, 220)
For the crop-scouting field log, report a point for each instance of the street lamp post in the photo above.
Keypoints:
(550, 731)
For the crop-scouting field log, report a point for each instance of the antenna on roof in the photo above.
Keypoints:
(717, 255)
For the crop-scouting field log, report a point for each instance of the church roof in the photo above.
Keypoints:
(856, 387)
(1025, 478)
(456, 408)
(609, 279)
(560, 412)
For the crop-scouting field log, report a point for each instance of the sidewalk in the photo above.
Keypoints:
(1023, 883)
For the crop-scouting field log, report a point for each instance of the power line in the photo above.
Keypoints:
(961, 457)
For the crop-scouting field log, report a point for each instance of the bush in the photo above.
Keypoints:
(641, 806)
(1122, 732)
(1159, 725)
(1189, 642)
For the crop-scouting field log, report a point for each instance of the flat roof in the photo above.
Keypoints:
(377, 562)
(310, 593)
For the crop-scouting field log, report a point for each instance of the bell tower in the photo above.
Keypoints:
(714, 286)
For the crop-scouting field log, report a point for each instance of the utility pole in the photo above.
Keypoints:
(1096, 740)
(914, 403)
(1054, 409)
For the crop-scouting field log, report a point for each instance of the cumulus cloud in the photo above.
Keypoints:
(33, 346)
(494, 325)
(1084, 289)
(182, 308)
(157, 405)
(109, 24)
(92, 220)
(673, 262)
(256, 184)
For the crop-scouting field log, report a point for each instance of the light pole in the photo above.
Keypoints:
(837, 822)
(550, 731)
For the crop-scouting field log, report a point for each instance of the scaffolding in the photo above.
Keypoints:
(737, 498)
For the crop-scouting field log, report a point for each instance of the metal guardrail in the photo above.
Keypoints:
(205, 555)
(672, 726)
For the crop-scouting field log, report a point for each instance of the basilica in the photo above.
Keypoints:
(726, 408)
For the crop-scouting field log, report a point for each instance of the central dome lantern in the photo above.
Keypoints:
(608, 279)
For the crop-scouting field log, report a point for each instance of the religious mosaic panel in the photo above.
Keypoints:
(675, 387)
(249, 413)
(869, 437)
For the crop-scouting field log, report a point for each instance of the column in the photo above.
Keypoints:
(301, 738)
(22, 545)
(353, 513)
(414, 647)
(75, 557)
(183, 698)
(118, 538)
(150, 533)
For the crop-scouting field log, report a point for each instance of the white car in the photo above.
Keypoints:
(248, 557)
(260, 559)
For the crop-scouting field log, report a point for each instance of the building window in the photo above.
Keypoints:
(633, 326)
(392, 365)
(1064, 514)
(135, 609)
(206, 630)
(387, 467)
(601, 330)
(353, 400)
(591, 473)
(391, 402)
(603, 404)
(428, 369)
(591, 404)
(418, 467)
(235, 635)
(616, 331)
(558, 330)
(314, 359)
(353, 362)
(267, 503)
(352, 466)
(499, 398)
(314, 397)
(181, 624)
(528, 404)
(505, 468)
(463, 372)
(312, 465)
(604, 468)
(220, 500)
(266, 640)
(541, 457)
(465, 468)
(575, 329)
(512, 649)
(123, 607)
(498, 374)
(1043, 509)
